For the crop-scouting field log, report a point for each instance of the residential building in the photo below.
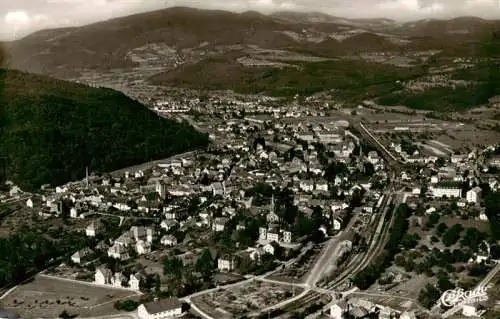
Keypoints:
(138, 232)
(449, 190)
(161, 309)
(168, 224)
(135, 281)
(337, 310)
(219, 224)
(322, 185)
(226, 263)
(168, 240)
(103, 276)
(94, 228)
(81, 254)
(473, 196)
(262, 233)
(118, 252)
(161, 189)
(337, 224)
(143, 247)
(273, 234)
(286, 236)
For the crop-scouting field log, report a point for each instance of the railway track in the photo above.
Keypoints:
(378, 240)
(304, 302)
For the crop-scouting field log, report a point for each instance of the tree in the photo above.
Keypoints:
(205, 264)
(433, 220)
(429, 296)
(441, 228)
(452, 235)
(172, 266)
(495, 251)
(444, 282)
(410, 241)
(126, 305)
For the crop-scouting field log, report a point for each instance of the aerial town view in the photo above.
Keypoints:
(260, 159)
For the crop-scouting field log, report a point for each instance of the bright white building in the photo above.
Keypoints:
(474, 195)
(444, 190)
(161, 309)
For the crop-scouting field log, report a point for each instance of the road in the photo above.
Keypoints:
(329, 255)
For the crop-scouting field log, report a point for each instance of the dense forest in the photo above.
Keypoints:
(50, 130)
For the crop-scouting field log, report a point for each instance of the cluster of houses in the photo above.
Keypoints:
(104, 276)
(139, 238)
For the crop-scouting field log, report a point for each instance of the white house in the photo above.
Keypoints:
(286, 236)
(161, 309)
(306, 186)
(135, 281)
(337, 224)
(143, 247)
(73, 212)
(226, 264)
(168, 240)
(81, 254)
(219, 224)
(273, 235)
(262, 233)
(373, 157)
(474, 195)
(337, 310)
(103, 276)
(118, 252)
(168, 224)
(29, 203)
(95, 228)
(322, 185)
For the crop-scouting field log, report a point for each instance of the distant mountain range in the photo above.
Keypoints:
(105, 45)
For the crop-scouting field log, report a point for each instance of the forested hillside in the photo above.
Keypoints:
(50, 130)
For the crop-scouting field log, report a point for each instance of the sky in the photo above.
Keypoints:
(21, 17)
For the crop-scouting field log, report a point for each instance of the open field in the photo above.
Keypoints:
(47, 298)
(243, 299)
